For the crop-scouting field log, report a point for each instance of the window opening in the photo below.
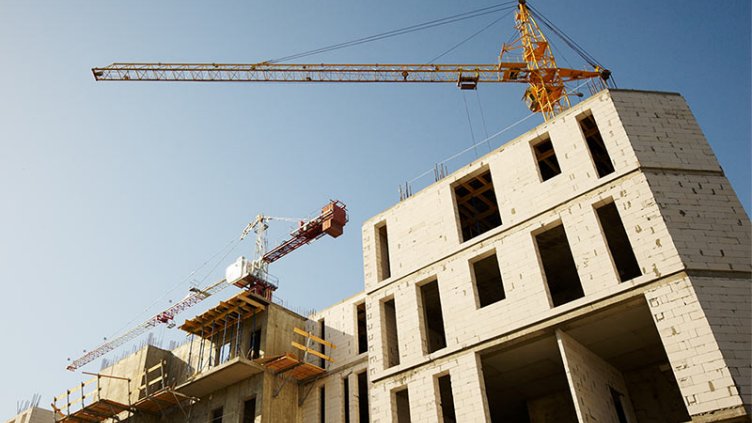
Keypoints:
(558, 265)
(618, 405)
(433, 319)
(488, 283)
(217, 415)
(391, 341)
(402, 403)
(322, 404)
(363, 397)
(595, 144)
(346, 395)
(618, 242)
(447, 399)
(322, 347)
(255, 344)
(249, 411)
(384, 269)
(360, 311)
(477, 206)
(548, 164)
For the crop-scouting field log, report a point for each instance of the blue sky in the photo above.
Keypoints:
(113, 193)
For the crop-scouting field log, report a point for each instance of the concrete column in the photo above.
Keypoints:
(591, 380)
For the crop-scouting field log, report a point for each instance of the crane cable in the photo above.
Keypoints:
(566, 38)
(401, 31)
(470, 37)
(230, 247)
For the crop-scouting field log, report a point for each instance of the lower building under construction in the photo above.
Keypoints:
(594, 269)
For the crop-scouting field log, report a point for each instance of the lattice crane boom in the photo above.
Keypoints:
(537, 67)
(331, 221)
(164, 317)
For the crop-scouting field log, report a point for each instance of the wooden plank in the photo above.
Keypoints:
(252, 302)
(154, 367)
(314, 352)
(314, 337)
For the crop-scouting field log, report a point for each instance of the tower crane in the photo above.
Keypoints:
(531, 62)
(250, 275)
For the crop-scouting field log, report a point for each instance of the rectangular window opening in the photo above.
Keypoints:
(360, 311)
(322, 347)
(216, 415)
(488, 283)
(255, 344)
(322, 404)
(384, 270)
(346, 398)
(476, 205)
(595, 144)
(558, 265)
(249, 410)
(617, 396)
(447, 400)
(391, 341)
(618, 242)
(363, 397)
(402, 405)
(548, 164)
(433, 318)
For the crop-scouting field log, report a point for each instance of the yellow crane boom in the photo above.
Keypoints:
(546, 92)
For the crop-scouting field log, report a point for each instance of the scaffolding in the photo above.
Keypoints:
(216, 355)
(85, 403)
(156, 394)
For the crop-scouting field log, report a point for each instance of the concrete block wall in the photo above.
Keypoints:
(340, 321)
(727, 304)
(467, 391)
(705, 219)
(703, 375)
(524, 283)
(668, 188)
(425, 228)
(662, 131)
(34, 415)
(334, 402)
(590, 380)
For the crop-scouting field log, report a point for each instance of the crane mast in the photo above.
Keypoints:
(536, 67)
(253, 276)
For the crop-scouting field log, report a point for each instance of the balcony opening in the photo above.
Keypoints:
(625, 336)
(363, 397)
(618, 242)
(558, 266)
(447, 399)
(360, 312)
(433, 318)
(402, 406)
(486, 275)
(595, 144)
(548, 164)
(391, 340)
(527, 383)
(476, 205)
(383, 270)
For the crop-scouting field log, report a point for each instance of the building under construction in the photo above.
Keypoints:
(596, 268)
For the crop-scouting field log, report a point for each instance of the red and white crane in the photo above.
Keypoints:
(250, 275)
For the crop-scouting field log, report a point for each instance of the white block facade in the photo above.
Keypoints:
(688, 231)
